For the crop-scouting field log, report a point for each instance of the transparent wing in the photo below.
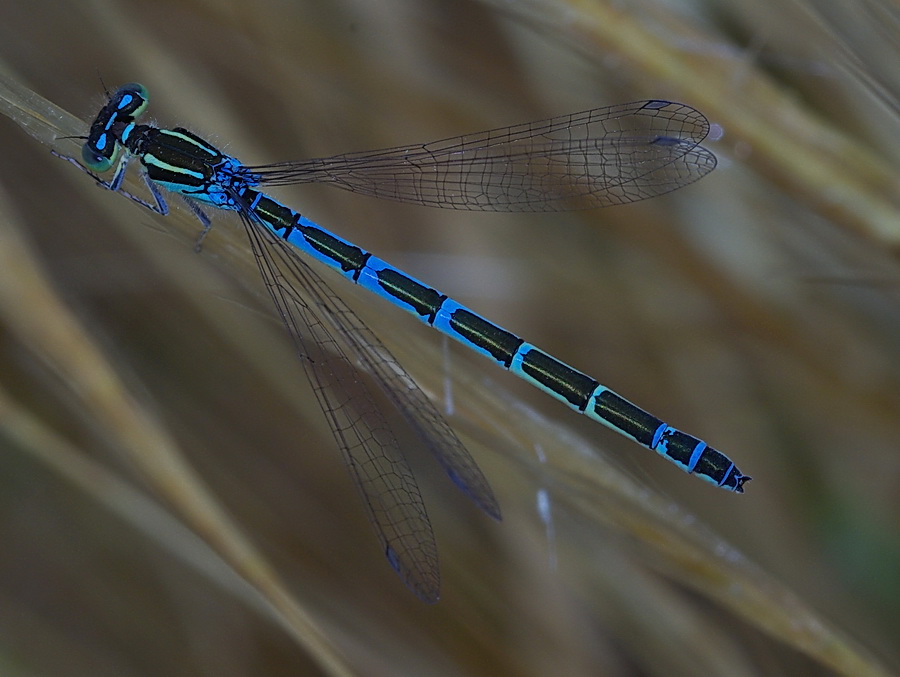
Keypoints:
(332, 340)
(394, 380)
(596, 158)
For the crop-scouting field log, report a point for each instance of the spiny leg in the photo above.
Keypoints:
(202, 217)
(115, 184)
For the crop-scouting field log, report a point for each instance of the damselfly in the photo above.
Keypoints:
(600, 157)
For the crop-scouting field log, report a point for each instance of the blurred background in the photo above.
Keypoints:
(172, 501)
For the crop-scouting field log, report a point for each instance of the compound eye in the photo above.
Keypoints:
(131, 99)
(95, 159)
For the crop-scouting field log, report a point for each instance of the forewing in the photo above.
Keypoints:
(596, 158)
(333, 343)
